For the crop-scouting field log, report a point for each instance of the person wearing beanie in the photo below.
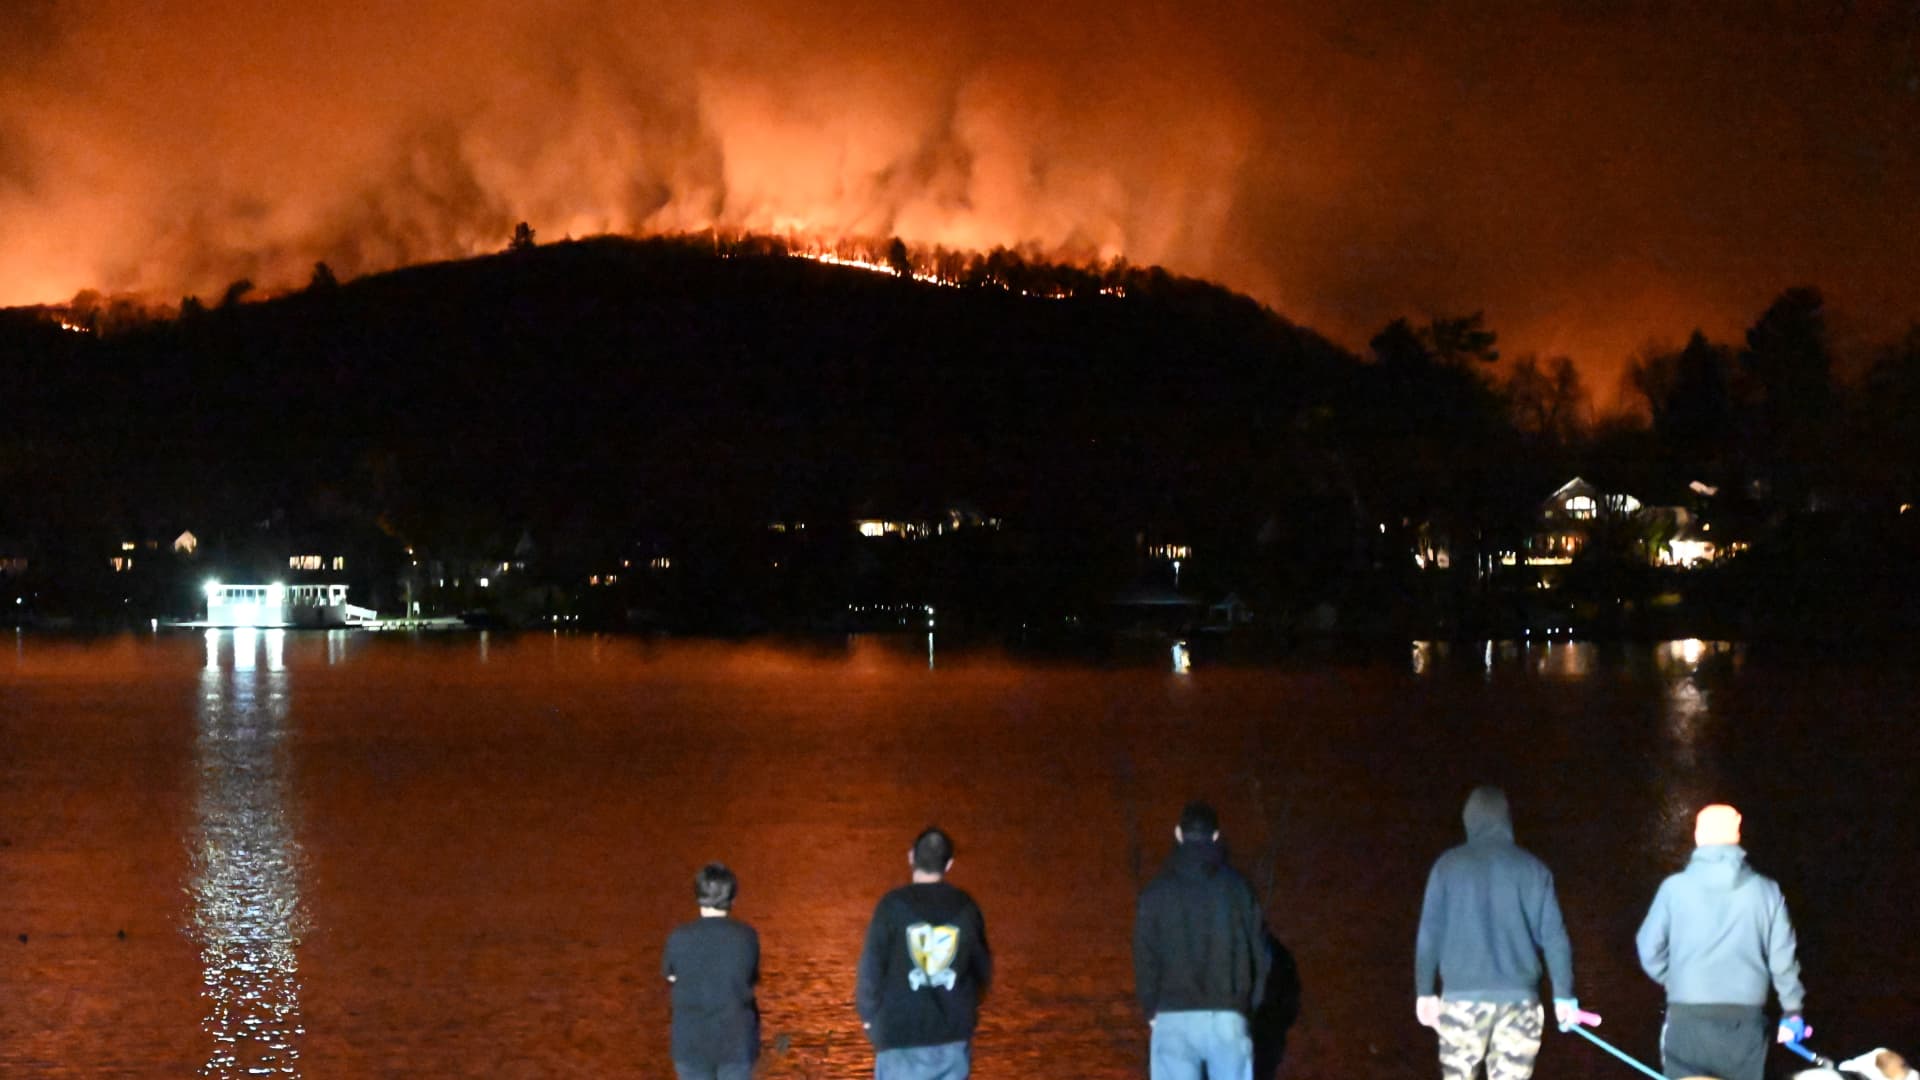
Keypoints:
(1716, 938)
(1200, 959)
(1489, 915)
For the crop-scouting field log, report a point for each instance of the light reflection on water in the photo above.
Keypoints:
(247, 915)
(1689, 779)
(1572, 659)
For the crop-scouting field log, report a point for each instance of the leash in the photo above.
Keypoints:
(1583, 1020)
(1820, 1060)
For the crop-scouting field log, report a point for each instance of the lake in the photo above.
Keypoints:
(349, 854)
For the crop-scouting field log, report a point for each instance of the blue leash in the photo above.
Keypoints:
(1818, 1059)
(1612, 1049)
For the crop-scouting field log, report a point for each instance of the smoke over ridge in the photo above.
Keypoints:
(1591, 177)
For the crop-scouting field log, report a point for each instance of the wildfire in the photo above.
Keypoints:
(956, 270)
(832, 259)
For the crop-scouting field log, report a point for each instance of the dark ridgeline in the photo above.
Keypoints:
(595, 404)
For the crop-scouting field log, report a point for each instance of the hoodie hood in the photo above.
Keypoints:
(1487, 816)
(1718, 866)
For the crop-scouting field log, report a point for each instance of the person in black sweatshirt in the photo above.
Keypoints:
(713, 963)
(923, 971)
(1200, 957)
(1489, 914)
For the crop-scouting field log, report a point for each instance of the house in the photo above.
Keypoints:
(1580, 515)
(1567, 521)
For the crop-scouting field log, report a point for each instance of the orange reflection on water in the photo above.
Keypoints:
(247, 915)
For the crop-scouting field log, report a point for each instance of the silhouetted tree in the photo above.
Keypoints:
(323, 279)
(1399, 347)
(1699, 418)
(191, 308)
(1888, 422)
(1788, 359)
(1547, 404)
(1435, 447)
(522, 239)
(1694, 415)
(1462, 341)
(235, 292)
(897, 258)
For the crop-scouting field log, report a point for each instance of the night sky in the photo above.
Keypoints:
(1594, 175)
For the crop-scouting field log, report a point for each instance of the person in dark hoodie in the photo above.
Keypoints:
(1489, 915)
(1200, 957)
(923, 971)
(1716, 936)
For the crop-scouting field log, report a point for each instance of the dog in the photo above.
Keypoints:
(1877, 1064)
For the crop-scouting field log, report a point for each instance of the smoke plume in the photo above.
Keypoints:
(1592, 175)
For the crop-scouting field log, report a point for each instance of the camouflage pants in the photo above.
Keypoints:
(1506, 1035)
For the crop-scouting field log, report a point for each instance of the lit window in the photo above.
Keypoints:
(303, 562)
(1581, 506)
(662, 563)
(339, 562)
(127, 545)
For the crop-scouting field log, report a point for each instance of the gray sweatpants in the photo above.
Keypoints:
(1724, 1041)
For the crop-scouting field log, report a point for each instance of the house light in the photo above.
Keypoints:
(483, 582)
(213, 588)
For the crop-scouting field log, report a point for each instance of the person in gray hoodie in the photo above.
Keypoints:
(1716, 936)
(1490, 914)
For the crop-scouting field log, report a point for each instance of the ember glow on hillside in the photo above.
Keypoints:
(1590, 176)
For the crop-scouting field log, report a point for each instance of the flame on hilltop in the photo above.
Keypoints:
(1023, 273)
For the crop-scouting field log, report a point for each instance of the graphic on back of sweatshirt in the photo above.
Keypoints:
(933, 949)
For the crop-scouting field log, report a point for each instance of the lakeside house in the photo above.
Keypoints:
(1579, 515)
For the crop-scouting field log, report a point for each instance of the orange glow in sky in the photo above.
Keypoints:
(1593, 177)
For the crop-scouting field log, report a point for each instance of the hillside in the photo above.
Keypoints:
(595, 391)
